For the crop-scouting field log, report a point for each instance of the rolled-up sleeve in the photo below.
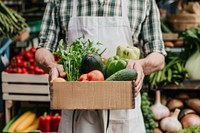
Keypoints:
(50, 28)
(151, 31)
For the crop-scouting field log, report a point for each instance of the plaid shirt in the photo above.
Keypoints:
(143, 16)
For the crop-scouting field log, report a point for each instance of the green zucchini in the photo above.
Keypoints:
(126, 74)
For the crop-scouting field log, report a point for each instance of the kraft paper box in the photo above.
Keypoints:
(92, 95)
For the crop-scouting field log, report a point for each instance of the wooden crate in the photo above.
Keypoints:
(25, 87)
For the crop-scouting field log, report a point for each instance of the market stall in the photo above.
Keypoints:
(170, 97)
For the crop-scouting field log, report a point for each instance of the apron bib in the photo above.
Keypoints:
(111, 32)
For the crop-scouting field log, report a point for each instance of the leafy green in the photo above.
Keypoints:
(192, 41)
(149, 121)
(71, 56)
(193, 129)
(192, 50)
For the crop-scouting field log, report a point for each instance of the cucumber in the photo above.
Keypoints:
(126, 74)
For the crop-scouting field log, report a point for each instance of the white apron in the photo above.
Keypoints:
(111, 32)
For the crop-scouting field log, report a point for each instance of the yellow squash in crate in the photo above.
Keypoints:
(26, 122)
(23, 122)
(18, 121)
(33, 126)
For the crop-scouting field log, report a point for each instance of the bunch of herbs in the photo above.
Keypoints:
(71, 56)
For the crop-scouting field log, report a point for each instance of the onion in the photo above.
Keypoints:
(190, 120)
(174, 103)
(171, 123)
(185, 112)
(194, 103)
(59, 79)
(182, 96)
(159, 111)
(157, 130)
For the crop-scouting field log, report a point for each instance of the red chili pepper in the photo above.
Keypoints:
(55, 122)
(45, 123)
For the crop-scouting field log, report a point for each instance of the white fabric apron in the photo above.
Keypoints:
(111, 32)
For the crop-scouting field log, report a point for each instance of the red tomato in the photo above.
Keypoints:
(38, 70)
(32, 50)
(95, 75)
(8, 70)
(83, 77)
(28, 55)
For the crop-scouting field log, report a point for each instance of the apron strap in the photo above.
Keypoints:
(124, 8)
(74, 8)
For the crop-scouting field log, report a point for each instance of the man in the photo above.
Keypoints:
(111, 22)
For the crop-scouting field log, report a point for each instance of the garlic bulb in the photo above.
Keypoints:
(171, 123)
(159, 110)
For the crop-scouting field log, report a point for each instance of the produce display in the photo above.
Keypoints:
(24, 63)
(175, 114)
(150, 123)
(181, 109)
(192, 39)
(24, 123)
(83, 62)
(174, 72)
(11, 23)
(49, 123)
(30, 121)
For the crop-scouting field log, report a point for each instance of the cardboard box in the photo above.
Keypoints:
(92, 95)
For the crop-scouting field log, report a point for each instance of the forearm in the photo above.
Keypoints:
(151, 63)
(44, 59)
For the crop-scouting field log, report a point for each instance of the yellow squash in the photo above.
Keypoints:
(33, 126)
(18, 121)
(26, 122)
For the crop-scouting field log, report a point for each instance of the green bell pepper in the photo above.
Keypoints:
(114, 64)
(128, 52)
